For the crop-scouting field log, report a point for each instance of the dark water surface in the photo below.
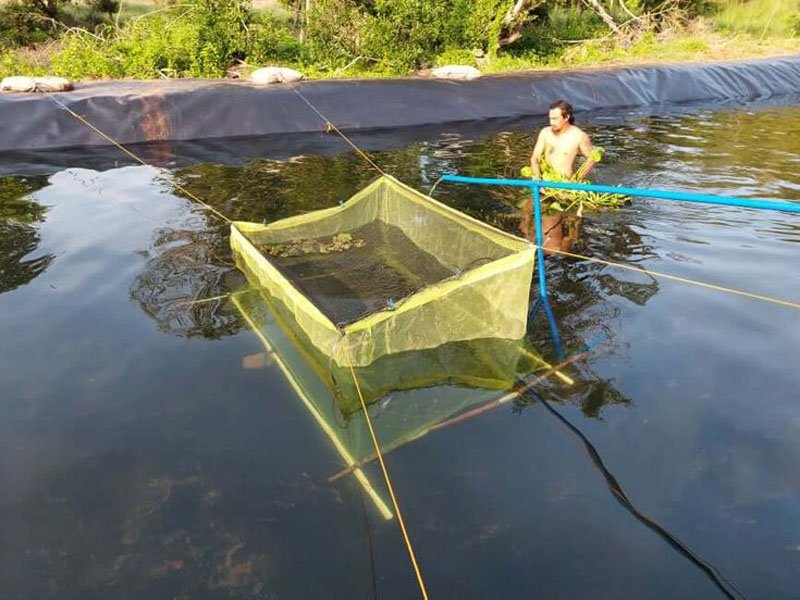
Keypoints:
(139, 459)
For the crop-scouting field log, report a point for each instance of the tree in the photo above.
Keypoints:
(48, 8)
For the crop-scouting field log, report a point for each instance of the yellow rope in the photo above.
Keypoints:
(326, 428)
(207, 300)
(332, 126)
(378, 453)
(702, 284)
(563, 377)
(360, 475)
(135, 157)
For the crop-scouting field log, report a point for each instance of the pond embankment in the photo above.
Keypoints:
(179, 110)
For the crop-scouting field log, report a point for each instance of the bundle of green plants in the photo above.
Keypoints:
(556, 200)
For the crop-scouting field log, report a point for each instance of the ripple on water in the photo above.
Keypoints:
(140, 459)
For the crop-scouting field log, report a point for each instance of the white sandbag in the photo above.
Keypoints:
(462, 72)
(18, 84)
(52, 84)
(268, 75)
(35, 84)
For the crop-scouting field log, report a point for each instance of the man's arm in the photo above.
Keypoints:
(538, 151)
(588, 164)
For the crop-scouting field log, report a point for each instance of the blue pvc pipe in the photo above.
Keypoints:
(551, 319)
(625, 191)
(537, 215)
(543, 302)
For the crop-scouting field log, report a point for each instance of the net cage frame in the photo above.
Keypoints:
(489, 300)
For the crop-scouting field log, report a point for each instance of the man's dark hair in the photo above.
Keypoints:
(566, 110)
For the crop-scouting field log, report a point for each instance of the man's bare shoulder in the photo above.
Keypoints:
(577, 132)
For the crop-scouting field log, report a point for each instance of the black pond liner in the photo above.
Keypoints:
(186, 121)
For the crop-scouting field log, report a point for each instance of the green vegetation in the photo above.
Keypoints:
(761, 18)
(340, 242)
(324, 38)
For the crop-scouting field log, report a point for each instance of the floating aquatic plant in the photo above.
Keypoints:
(338, 243)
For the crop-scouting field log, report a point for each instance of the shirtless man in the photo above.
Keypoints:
(561, 142)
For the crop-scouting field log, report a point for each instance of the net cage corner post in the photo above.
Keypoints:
(536, 198)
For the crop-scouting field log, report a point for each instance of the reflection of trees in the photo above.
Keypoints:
(186, 265)
(591, 393)
(19, 216)
(182, 267)
(268, 190)
(698, 150)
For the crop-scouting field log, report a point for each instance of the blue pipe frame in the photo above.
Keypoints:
(536, 185)
(628, 191)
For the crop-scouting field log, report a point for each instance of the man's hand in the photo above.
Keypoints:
(588, 164)
(536, 170)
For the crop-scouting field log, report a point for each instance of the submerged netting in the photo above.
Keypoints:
(391, 270)
(351, 275)
(407, 393)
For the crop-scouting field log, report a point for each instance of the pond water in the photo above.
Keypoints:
(142, 457)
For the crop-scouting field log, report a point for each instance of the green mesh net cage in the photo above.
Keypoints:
(389, 271)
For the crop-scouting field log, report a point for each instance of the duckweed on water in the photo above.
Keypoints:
(338, 243)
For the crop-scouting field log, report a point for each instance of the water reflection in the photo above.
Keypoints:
(182, 267)
(145, 465)
(445, 380)
(738, 152)
(20, 216)
(186, 266)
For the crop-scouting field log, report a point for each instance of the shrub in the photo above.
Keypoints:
(83, 54)
(690, 7)
(222, 34)
(20, 26)
(794, 24)
(333, 32)
(160, 45)
(457, 56)
(408, 33)
(558, 27)
(199, 39)
(11, 64)
(271, 38)
(412, 32)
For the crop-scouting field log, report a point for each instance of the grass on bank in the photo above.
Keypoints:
(149, 46)
(759, 18)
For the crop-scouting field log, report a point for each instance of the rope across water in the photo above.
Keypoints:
(218, 214)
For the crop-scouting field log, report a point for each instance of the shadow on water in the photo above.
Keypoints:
(20, 216)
